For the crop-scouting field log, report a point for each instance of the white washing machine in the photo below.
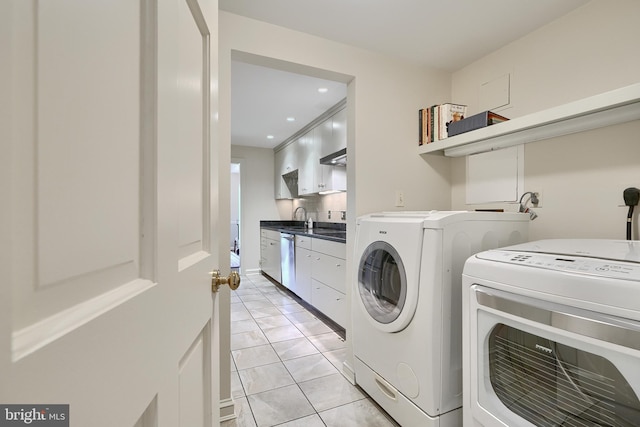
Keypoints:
(407, 306)
(551, 335)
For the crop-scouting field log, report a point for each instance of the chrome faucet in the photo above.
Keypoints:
(295, 213)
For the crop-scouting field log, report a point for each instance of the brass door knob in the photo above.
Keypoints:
(233, 280)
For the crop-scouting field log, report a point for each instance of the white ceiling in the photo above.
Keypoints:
(263, 98)
(435, 33)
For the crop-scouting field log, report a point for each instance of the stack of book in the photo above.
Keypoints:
(434, 121)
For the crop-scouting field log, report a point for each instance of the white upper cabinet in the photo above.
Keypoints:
(331, 178)
(286, 160)
(304, 154)
(289, 158)
(334, 131)
(332, 137)
(308, 162)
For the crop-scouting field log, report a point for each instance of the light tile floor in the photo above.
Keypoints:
(286, 365)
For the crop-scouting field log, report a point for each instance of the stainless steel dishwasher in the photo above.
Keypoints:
(288, 260)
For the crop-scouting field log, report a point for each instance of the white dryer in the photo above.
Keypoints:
(407, 306)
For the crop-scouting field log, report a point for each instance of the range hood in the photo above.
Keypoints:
(339, 158)
(291, 180)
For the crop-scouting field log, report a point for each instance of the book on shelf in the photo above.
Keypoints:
(427, 125)
(477, 121)
(423, 126)
(434, 121)
(447, 114)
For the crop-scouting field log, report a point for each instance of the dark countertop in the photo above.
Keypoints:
(333, 231)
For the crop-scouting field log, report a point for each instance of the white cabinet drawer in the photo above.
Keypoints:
(303, 241)
(330, 302)
(270, 234)
(270, 253)
(329, 270)
(265, 243)
(328, 247)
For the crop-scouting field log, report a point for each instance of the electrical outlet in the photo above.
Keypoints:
(399, 198)
(539, 196)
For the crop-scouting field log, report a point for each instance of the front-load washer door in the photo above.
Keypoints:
(382, 285)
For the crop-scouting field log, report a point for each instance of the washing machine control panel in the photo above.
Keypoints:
(567, 263)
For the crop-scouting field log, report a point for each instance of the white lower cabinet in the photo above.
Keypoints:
(270, 253)
(328, 279)
(320, 271)
(329, 270)
(330, 302)
(303, 268)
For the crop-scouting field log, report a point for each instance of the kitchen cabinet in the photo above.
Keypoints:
(331, 178)
(328, 279)
(330, 302)
(270, 253)
(303, 267)
(330, 137)
(289, 159)
(307, 161)
(334, 133)
(320, 271)
(322, 140)
(303, 154)
(285, 161)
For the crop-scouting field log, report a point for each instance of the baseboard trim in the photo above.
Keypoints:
(227, 410)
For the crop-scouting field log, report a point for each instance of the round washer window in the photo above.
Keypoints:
(382, 282)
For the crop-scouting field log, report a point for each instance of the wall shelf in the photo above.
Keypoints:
(609, 108)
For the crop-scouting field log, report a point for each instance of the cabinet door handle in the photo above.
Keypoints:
(337, 265)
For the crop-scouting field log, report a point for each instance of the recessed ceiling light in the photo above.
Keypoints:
(270, 137)
(323, 90)
(291, 119)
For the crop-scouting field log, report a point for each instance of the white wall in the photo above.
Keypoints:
(257, 200)
(234, 198)
(582, 177)
(589, 51)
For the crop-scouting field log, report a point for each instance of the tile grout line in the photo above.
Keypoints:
(259, 290)
(297, 383)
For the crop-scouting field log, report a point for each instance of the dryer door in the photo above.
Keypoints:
(382, 284)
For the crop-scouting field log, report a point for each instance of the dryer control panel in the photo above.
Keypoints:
(614, 269)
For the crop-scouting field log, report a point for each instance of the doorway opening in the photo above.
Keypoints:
(235, 215)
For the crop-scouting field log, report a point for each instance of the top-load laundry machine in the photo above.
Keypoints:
(551, 334)
(407, 306)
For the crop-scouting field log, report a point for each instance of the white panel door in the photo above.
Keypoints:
(105, 211)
